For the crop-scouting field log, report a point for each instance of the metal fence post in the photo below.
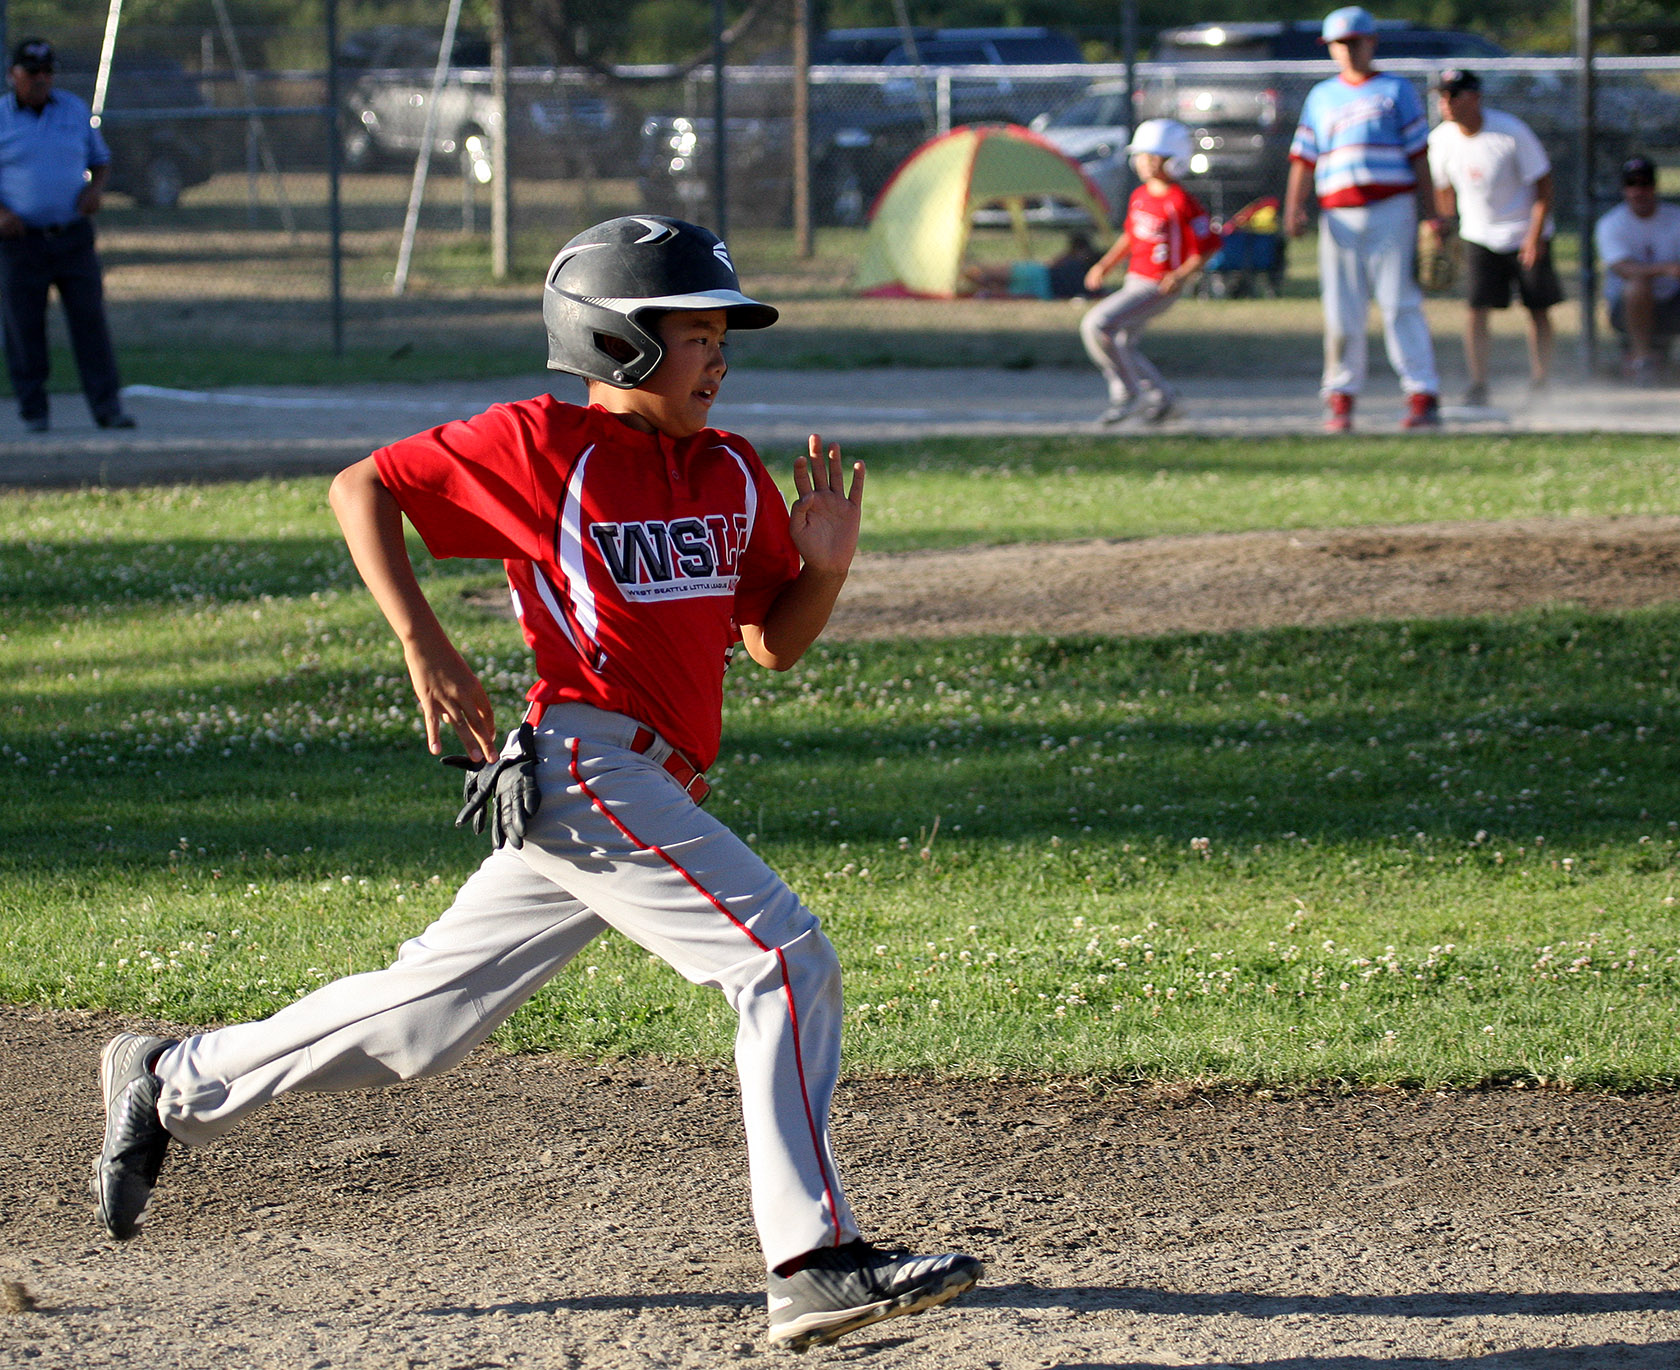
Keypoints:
(804, 240)
(335, 217)
(1588, 154)
(720, 134)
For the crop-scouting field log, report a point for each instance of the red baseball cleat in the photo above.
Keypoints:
(1422, 411)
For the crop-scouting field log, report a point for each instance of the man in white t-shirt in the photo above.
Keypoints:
(1494, 180)
(1639, 243)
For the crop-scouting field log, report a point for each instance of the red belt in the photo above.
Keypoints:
(678, 766)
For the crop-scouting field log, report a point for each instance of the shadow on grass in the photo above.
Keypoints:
(1393, 457)
(44, 577)
(1515, 728)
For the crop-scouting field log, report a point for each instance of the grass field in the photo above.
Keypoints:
(1420, 853)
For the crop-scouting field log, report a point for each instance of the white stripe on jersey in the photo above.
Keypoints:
(573, 562)
(551, 602)
(751, 495)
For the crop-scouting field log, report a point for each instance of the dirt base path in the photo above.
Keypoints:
(541, 1212)
(1264, 580)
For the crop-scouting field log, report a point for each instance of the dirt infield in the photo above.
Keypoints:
(539, 1212)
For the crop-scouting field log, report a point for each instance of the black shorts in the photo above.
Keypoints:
(1490, 276)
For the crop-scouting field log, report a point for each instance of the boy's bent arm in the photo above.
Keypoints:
(824, 522)
(444, 685)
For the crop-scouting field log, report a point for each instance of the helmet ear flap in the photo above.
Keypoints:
(598, 344)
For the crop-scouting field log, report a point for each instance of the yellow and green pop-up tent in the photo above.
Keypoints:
(919, 229)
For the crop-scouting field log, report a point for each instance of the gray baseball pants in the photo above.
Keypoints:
(1110, 332)
(616, 843)
(1372, 250)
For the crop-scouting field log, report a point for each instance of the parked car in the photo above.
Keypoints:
(853, 154)
(979, 99)
(1242, 123)
(559, 127)
(859, 131)
(153, 159)
(1094, 130)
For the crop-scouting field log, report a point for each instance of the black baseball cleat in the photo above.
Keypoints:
(843, 1288)
(126, 1169)
(118, 420)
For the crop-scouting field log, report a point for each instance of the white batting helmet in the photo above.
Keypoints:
(1165, 138)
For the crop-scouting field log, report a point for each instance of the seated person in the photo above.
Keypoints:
(1062, 278)
(1639, 244)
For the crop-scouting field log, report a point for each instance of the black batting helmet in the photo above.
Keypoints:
(607, 277)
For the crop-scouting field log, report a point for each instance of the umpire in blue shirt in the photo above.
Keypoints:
(53, 166)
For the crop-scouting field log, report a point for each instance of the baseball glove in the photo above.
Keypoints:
(501, 793)
(1437, 258)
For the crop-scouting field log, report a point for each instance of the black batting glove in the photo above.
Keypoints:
(503, 793)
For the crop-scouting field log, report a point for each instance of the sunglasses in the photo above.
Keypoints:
(36, 68)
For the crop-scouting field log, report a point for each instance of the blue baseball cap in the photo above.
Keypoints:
(1348, 22)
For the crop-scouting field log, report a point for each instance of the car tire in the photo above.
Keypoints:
(162, 181)
(837, 194)
(358, 150)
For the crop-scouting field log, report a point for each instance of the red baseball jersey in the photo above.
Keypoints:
(1165, 230)
(632, 557)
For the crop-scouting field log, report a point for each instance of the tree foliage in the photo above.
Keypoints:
(680, 31)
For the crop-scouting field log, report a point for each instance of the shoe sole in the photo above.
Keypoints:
(819, 1329)
(112, 1096)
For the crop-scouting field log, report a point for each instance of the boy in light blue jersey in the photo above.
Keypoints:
(1364, 139)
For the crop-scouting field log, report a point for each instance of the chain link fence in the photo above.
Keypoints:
(220, 212)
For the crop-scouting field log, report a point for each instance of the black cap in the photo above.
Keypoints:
(1639, 171)
(33, 54)
(1455, 81)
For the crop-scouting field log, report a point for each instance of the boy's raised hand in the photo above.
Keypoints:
(825, 518)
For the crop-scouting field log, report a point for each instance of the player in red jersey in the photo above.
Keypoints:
(1165, 241)
(640, 547)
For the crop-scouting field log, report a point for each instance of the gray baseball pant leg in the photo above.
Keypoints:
(616, 843)
(1372, 250)
(1393, 267)
(1345, 295)
(1110, 331)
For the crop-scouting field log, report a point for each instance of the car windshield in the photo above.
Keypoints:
(1251, 50)
(1096, 110)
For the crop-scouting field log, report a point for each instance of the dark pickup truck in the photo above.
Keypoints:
(876, 95)
(154, 158)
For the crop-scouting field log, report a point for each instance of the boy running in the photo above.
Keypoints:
(639, 545)
(1164, 242)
